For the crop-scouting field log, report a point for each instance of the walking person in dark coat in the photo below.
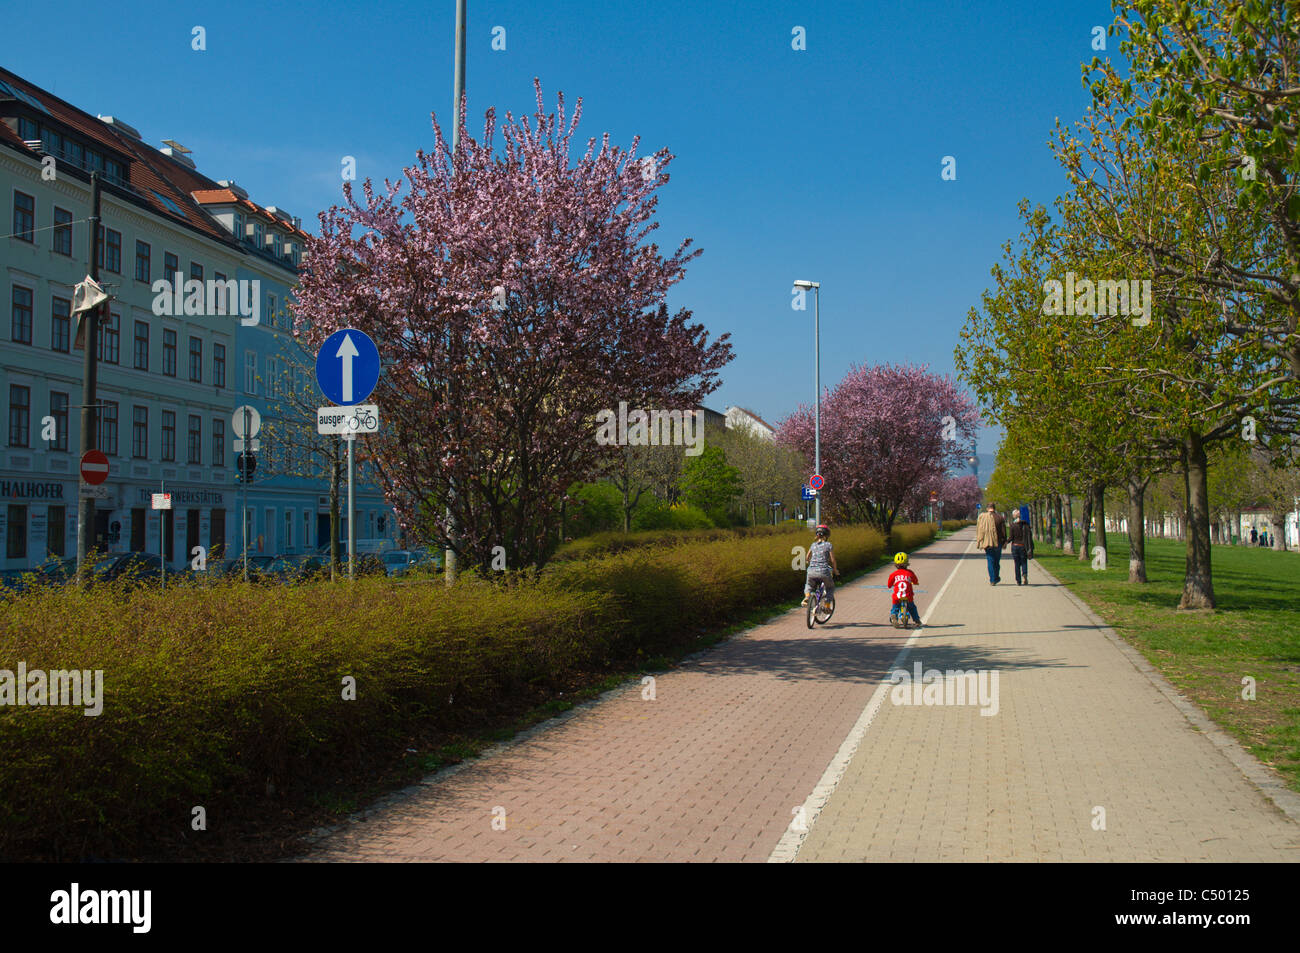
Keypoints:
(1022, 549)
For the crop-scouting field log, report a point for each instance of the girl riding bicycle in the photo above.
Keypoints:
(821, 566)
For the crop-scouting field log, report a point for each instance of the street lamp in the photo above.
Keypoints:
(817, 383)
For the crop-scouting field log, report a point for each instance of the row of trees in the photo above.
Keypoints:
(1147, 324)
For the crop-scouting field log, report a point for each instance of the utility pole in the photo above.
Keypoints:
(458, 91)
(89, 438)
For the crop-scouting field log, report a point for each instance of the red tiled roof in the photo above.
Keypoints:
(149, 170)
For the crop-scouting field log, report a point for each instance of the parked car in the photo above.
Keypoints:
(14, 580)
(139, 568)
(57, 569)
(257, 566)
(398, 561)
(291, 569)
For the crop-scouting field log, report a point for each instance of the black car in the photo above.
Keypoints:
(135, 567)
(291, 569)
(258, 563)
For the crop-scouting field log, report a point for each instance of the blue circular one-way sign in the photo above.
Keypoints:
(347, 367)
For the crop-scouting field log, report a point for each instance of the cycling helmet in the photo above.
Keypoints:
(900, 559)
(824, 531)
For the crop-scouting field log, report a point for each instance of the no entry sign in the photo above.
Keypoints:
(94, 467)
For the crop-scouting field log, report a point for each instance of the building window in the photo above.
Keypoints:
(106, 416)
(110, 250)
(196, 360)
(140, 433)
(218, 443)
(250, 372)
(270, 311)
(288, 529)
(196, 271)
(16, 533)
(59, 411)
(62, 231)
(239, 226)
(24, 217)
(142, 345)
(169, 436)
(61, 324)
(169, 353)
(278, 244)
(196, 439)
(109, 335)
(21, 324)
(259, 235)
(56, 525)
(171, 267)
(20, 415)
(219, 365)
(142, 255)
(222, 302)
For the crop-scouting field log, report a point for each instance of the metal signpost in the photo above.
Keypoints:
(347, 370)
(162, 501)
(245, 422)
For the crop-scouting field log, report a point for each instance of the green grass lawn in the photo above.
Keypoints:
(1254, 631)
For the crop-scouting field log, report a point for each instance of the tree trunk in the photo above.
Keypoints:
(1067, 527)
(1198, 582)
(1085, 529)
(1137, 558)
(1099, 518)
(1060, 530)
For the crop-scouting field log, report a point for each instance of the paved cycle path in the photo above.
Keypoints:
(784, 743)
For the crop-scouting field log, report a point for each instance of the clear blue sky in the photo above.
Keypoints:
(821, 164)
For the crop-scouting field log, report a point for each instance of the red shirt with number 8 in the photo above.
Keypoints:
(901, 582)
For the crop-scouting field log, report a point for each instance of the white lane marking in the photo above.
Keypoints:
(788, 847)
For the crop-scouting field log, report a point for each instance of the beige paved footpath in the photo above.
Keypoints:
(782, 744)
(1090, 756)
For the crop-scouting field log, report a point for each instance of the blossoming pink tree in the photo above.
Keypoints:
(959, 496)
(512, 295)
(889, 436)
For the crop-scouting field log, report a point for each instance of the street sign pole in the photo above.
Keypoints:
(352, 523)
(243, 481)
(162, 532)
(89, 437)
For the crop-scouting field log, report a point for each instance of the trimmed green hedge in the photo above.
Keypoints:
(218, 696)
(951, 526)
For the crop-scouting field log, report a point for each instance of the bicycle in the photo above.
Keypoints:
(820, 609)
(904, 618)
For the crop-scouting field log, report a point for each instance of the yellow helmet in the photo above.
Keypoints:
(900, 559)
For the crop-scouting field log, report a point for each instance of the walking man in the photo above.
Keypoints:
(1022, 549)
(990, 536)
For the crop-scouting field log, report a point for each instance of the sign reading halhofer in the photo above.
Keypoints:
(360, 418)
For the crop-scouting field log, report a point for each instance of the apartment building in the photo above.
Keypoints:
(169, 376)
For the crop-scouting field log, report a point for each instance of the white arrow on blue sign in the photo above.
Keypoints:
(347, 367)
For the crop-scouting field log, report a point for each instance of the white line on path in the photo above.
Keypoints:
(788, 847)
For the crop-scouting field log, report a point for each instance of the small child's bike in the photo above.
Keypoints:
(820, 608)
(903, 618)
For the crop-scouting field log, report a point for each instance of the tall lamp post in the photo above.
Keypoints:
(817, 383)
(458, 92)
(974, 462)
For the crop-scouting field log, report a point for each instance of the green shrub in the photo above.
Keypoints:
(231, 696)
